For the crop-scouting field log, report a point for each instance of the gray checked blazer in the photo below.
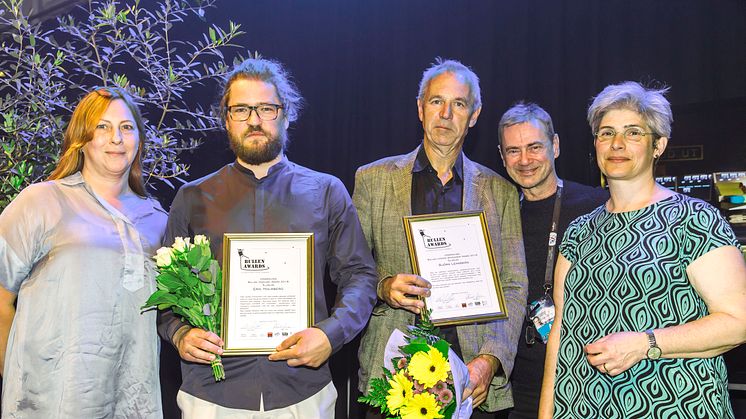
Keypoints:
(382, 197)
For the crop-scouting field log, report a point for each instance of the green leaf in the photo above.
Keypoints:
(186, 302)
(208, 289)
(387, 374)
(186, 275)
(171, 74)
(206, 277)
(213, 36)
(168, 281)
(215, 272)
(194, 255)
(442, 346)
(415, 345)
(450, 409)
(377, 393)
(160, 297)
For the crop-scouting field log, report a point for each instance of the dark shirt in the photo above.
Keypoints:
(536, 221)
(430, 196)
(291, 198)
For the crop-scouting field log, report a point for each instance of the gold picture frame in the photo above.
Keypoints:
(268, 290)
(454, 252)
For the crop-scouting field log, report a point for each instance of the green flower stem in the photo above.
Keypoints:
(217, 368)
(217, 364)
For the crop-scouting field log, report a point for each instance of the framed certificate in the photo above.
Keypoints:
(454, 252)
(268, 290)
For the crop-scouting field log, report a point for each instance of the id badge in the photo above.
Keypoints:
(541, 314)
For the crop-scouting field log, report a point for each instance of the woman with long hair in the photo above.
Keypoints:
(75, 259)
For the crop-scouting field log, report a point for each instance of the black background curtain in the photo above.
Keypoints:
(358, 65)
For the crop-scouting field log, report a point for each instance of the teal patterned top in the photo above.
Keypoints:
(628, 273)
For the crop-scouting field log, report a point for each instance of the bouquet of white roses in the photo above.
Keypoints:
(426, 379)
(189, 283)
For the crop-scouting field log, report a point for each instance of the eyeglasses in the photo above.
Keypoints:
(633, 134)
(265, 111)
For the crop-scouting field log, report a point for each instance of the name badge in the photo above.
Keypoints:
(541, 314)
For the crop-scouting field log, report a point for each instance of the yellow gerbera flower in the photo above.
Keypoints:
(421, 406)
(429, 367)
(400, 392)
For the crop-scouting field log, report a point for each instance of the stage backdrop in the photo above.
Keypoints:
(358, 64)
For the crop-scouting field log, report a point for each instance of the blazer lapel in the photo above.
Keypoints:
(402, 181)
(471, 185)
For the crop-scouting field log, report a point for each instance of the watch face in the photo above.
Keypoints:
(654, 352)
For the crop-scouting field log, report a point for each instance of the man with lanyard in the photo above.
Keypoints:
(437, 177)
(528, 148)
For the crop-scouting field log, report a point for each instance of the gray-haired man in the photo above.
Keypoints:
(438, 177)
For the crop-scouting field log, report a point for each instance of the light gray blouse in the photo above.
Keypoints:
(79, 347)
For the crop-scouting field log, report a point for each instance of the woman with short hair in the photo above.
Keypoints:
(650, 288)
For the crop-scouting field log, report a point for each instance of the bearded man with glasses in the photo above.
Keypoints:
(264, 192)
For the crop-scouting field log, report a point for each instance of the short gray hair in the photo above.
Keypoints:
(441, 66)
(269, 71)
(523, 112)
(650, 103)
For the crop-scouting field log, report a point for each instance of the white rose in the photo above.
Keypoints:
(187, 244)
(180, 244)
(163, 257)
(200, 239)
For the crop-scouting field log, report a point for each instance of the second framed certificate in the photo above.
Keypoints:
(454, 252)
(268, 290)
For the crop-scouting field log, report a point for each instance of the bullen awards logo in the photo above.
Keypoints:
(251, 264)
(434, 242)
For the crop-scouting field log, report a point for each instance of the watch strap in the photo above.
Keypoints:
(651, 339)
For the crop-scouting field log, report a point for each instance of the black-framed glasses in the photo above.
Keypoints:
(633, 134)
(265, 111)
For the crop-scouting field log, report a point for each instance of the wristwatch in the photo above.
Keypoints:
(654, 352)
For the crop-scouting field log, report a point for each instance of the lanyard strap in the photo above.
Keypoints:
(548, 282)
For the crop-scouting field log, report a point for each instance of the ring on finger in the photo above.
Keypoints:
(605, 369)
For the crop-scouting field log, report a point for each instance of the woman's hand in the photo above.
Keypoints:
(615, 353)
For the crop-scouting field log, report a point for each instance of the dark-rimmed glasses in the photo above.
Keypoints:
(265, 111)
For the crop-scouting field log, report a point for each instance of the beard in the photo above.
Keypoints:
(255, 154)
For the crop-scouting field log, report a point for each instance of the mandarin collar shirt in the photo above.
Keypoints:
(290, 199)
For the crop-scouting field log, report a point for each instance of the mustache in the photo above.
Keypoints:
(253, 129)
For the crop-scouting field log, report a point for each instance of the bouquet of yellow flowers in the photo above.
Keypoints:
(189, 283)
(426, 380)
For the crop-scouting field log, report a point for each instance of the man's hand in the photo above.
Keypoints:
(197, 345)
(397, 291)
(309, 347)
(481, 370)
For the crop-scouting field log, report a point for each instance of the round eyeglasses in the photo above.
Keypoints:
(633, 134)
